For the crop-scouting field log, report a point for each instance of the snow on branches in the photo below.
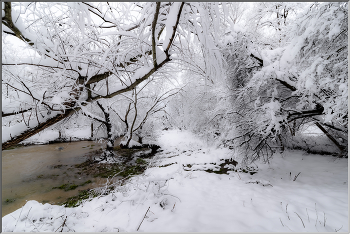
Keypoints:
(76, 55)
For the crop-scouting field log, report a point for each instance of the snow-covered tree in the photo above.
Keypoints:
(254, 77)
(301, 82)
(74, 54)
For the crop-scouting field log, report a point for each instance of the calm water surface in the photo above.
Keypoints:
(29, 173)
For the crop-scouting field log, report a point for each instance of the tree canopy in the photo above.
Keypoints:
(248, 75)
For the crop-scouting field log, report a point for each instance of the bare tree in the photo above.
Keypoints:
(140, 108)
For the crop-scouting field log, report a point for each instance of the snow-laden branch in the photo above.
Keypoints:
(171, 24)
(21, 33)
(141, 75)
(7, 21)
(69, 53)
(19, 132)
(91, 115)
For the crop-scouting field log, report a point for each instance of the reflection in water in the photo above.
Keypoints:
(30, 173)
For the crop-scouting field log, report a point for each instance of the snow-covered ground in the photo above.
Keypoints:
(176, 198)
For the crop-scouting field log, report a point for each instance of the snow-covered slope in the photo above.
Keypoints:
(295, 192)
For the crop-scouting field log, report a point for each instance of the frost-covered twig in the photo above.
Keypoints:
(281, 222)
(296, 176)
(62, 225)
(316, 215)
(258, 182)
(143, 218)
(173, 207)
(287, 211)
(30, 221)
(307, 215)
(173, 196)
(338, 229)
(19, 216)
(300, 218)
(239, 176)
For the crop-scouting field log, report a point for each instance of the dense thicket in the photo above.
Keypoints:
(248, 76)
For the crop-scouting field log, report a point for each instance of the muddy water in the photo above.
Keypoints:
(30, 173)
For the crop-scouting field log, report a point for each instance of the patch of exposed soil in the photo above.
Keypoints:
(127, 163)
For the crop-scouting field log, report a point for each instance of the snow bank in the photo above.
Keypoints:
(180, 140)
(82, 133)
(297, 192)
(132, 143)
(42, 137)
(51, 135)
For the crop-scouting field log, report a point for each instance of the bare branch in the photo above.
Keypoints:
(331, 126)
(91, 117)
(135, 117)
(158, 100)
(340, 147)
(154, 23)
(133, 85)
(98, 77)
(38, 65)
(15, 112)
(291, 87)
(261, 62)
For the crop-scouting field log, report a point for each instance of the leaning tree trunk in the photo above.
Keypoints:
(32, 131)
(340, 147)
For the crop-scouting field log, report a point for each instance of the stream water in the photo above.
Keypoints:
(31, 172)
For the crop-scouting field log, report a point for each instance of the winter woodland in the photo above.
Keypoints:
(242, 81)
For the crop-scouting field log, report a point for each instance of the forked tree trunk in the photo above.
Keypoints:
(110, 139)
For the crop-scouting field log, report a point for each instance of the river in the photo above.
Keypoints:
(30, 173)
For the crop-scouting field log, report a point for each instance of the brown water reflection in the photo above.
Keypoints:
(29, 173)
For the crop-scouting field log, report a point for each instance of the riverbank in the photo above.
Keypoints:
(49, 142)
(31, 172)
(63, 173)
(185, 189)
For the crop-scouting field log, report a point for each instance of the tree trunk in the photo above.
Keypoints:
(32, 131)
(92, 130)
(281, 143)
(110, 139)
(340, 147)
(140, 140)
(133, 122)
